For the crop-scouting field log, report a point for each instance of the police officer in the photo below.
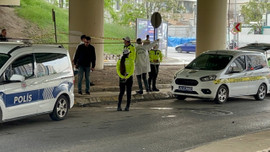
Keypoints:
(130, 47)
(155, 57)
(125, 70)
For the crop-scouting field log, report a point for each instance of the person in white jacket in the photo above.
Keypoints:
(142, 64)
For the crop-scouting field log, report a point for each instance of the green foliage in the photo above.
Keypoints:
(40, 13)
(118, 32)
(129, 13)
(108, 6)
(253, 12)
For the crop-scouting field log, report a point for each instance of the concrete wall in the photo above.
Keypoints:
(182, 31)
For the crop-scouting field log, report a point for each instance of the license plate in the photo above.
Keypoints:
(184, 88)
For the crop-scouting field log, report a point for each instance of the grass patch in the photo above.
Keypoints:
(118, 32)
(39, 12)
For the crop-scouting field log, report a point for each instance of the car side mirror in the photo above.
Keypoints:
(17, 78)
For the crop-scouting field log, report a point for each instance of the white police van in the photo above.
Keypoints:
(35, 79)
(223, 73)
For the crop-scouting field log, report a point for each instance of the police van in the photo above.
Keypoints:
(220, 74)
(35, 79)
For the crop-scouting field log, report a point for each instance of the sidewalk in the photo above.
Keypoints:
(254, 142)
(106, 89)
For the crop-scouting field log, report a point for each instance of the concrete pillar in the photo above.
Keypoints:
(211, 25)
(87, 17)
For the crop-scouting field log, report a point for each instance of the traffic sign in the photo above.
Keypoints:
(156, 20)
(237, 27)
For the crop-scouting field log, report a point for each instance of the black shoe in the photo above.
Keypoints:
(147, 90)
(139, 92)
(80, 92)
(119, 109)
(87, 93)
(155, 89)
(126, 109)
(92, 84)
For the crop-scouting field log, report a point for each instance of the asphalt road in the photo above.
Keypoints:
(153, 126)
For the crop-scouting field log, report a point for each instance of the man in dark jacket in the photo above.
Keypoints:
(3, 35)
(84, 58)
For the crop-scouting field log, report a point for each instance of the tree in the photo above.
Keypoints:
(130, 12)
(108, 6)
(168, 7)
(253, 12)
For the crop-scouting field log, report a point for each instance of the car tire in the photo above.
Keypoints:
(222, 95)
(60, 108)
(261, 93)
(179, 97)
(179, 50)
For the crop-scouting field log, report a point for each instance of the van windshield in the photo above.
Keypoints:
(3, 59)
(210, 62)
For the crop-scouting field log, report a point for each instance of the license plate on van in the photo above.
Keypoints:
(184, 88)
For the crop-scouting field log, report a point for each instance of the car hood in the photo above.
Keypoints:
(195, 74)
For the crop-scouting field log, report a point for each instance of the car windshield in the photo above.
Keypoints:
(210, 62)
(3, 59)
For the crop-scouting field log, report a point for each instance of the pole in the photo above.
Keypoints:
(154, 33)
(54, 21)
(229, 36)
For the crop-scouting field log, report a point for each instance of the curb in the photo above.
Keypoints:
(86, 101)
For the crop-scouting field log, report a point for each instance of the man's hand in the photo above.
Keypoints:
(92, 69)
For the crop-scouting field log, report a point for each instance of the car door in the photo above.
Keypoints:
(236, 77)
(256, 70)
(20, 96)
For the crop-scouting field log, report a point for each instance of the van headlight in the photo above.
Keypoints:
(208, 78)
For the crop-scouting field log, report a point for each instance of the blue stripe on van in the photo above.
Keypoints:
(15, 99)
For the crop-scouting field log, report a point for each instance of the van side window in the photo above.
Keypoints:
(24, 66)
(255, 62)
(51, 63)
(238, 65)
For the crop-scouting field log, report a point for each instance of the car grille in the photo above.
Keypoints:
(187, 92)
(188, 82)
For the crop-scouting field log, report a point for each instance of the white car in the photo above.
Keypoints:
(220, 74)
(35, 79)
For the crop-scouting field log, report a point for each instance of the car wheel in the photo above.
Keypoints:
(179, 50)
(60, 108)
(179, 97)
(222, 95)
(261, 93)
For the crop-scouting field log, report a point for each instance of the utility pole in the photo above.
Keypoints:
(54, 21)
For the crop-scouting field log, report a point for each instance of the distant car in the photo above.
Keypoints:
(187, 47)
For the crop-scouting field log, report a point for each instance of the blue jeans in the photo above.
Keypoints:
(85, 70)
(139, 79)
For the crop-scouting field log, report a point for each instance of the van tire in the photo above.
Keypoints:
(179, 97)
(222, 95)
(261, 93)
(60, 109)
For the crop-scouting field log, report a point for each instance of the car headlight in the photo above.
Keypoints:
(208, 78)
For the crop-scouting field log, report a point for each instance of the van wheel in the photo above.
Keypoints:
(261, 93)
(222, 95)
(179, 97)
(60, 108)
